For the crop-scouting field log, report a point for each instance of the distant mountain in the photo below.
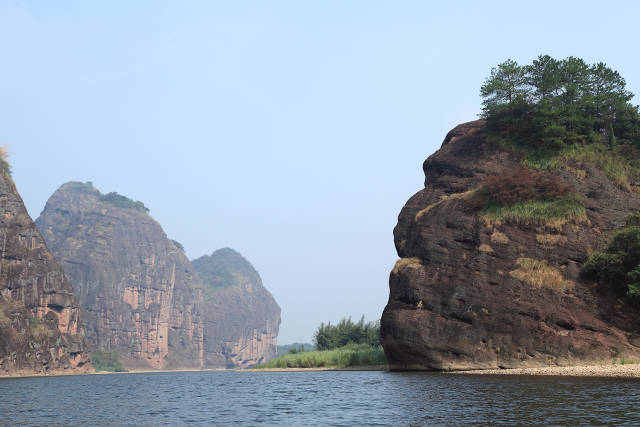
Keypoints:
(137, 289)
(241, 317)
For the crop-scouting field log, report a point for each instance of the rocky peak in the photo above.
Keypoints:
(241, 316)
(137, 289)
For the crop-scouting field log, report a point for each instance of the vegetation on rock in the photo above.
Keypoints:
(121, 201)
(552, 103)
(5, 167)
(538, 212)
(518, 185)
(618, 265)
(107, 360)
(557, 112)
(177, 244)
(225, 268)
(540, 275)
(82, 187)
(529, 197)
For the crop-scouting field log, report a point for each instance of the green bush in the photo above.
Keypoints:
(618, 265)
(121, 201)
(82, 187)
(346, 356)
(178, 245)
(328, 337)
(107, 360)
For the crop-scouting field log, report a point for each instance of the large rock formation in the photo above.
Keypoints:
(241, 317)
(40, 322)
(459, 297)
(137, 289)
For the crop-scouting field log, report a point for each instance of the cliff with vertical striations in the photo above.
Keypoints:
(241, 318)
(137, 289)
(41, 330)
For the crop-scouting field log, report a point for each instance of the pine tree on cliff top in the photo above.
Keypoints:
(555, 102)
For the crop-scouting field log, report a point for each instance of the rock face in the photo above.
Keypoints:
(137, 289)
(40, 322)
(456, 299)
(240, 315)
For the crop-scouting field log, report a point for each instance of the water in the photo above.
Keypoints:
(316, 398)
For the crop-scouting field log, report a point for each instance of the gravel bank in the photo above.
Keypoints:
(616, 371)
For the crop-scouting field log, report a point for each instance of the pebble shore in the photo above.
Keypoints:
(614, 371)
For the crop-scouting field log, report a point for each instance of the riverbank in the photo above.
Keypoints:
(318, 369)
(612, 371)
(31, 374)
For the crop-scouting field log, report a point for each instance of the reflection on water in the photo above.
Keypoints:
(316, 398)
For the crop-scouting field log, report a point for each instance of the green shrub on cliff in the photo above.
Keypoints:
(82, 187)
(618, 265)
(121, 201)
(107, 360)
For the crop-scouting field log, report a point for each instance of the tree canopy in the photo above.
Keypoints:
(550, 103)
(328, 337)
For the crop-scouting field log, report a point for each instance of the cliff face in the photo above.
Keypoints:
(40, 322)
(137, 289)
(459, 298)
(240, 315)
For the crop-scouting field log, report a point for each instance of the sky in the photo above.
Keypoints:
(293, 132)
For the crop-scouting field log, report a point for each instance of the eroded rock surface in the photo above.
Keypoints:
(40, 322)
(457, 300)
(137, 289)
(241, 318)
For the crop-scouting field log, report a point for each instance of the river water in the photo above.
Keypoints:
(316, 398)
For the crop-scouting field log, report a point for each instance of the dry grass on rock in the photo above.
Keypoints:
(550, 240)
(538, 274)
(404, 263)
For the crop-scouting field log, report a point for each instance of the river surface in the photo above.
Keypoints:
(316, 398)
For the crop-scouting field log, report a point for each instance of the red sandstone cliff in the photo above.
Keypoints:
(40, 323)
(458, 299)
(137, 289)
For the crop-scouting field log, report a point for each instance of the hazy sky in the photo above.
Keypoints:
(292, 132)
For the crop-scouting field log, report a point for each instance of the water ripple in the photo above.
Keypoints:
(316, 398)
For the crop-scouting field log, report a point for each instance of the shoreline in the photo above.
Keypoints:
(631, 370)
(24, 374)
(586, 371)
(318, 369)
